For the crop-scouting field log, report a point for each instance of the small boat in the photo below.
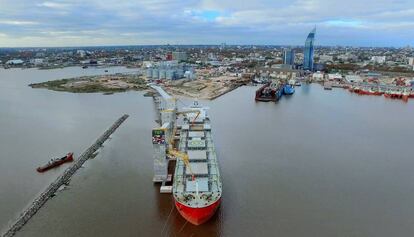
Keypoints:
(106, 70)
(55, 162)
(327, 86)
(288, 89)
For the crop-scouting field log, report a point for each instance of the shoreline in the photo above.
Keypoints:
(208, 89)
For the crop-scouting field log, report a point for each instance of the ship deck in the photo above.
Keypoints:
(196, 140)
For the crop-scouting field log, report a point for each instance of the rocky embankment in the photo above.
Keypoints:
(62, 180)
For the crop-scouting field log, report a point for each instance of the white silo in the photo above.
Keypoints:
(162, 73)
(149, 73)
(170, 74)
(155, 73)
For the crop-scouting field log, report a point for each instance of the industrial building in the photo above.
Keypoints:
(170, 70)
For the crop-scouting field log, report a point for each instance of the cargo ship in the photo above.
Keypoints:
(55, 162)
(197, 186)
(271, 91)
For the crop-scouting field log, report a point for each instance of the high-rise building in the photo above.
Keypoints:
(308, 52)
(289, 56)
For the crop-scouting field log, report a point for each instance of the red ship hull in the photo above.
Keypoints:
(393, 96)
(55, 163)
(197, 216)
(364, 92)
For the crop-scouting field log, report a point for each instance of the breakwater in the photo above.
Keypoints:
(62, 179)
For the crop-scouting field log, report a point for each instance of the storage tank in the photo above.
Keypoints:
(170, 75)
(149, 73)
(155, 73)
(162, 74)
(180, 73)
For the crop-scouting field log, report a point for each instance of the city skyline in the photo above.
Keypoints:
(27, 23)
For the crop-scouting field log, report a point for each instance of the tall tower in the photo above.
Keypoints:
(308, 51)
(289, 56)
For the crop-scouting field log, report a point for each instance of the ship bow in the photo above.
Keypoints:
(197, 215)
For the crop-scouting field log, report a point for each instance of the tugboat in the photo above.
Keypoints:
(288, 89)
(55, 162)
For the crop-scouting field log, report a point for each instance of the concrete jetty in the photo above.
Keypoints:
(62, 179)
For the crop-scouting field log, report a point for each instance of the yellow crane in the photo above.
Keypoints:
(184, 157)
(171, 142)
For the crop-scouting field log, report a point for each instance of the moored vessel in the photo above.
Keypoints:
(393, 94)
(197, 186)
(288, 89)
(272, 91)
(370, 91)
(55, 162)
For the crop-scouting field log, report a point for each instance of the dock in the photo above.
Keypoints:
(62, 179)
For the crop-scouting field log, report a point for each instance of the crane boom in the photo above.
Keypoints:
(184, 157)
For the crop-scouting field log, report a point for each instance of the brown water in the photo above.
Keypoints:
(319, 163)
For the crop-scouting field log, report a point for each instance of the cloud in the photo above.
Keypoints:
(54, 5)
(96, 22)
(17, 22)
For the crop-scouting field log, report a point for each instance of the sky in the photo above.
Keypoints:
(49, 23)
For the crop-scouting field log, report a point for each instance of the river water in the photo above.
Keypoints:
(318, 163)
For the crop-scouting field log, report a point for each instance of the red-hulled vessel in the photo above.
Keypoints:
(370, 91)
(56, 162)
(197, 186)
(393, 95)
(197, 216)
